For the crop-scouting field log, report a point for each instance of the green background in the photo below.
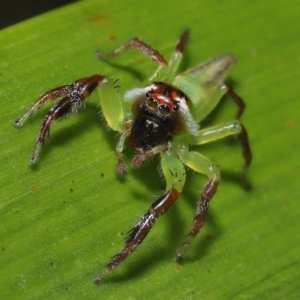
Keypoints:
(62, 219)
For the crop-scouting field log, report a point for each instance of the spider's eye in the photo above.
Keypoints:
(176, 106)
(152, 104)
(164, 110)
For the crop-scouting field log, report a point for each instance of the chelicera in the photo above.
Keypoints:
(165, 117)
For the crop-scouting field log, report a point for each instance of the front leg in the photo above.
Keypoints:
(73, 95)
(87, 85)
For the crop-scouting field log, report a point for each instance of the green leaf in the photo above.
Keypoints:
(62, 219)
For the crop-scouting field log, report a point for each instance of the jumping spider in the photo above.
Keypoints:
(164, 120)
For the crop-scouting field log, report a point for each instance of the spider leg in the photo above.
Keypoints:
(237, 99)
(139, 159)
(176, 57)
(155, 55)
(140, 231)
(136, 43)
(53, 94)
(247, 154)
(203, 165)
(204, 84)
(121, 168)
(242, 134)
(56, 93)
(223, 130)
(180, 47)
(174, 173)
(73, 94)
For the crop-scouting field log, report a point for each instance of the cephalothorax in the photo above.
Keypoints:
(164, 119)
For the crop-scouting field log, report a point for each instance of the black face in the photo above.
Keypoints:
(157, 117)
(147, 132)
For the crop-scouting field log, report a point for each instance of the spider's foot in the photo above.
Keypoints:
(99, 278)
(35, 154)
(18, 123)
(180, 252)
(121, 168)
(100, 54)
(183, 248)
(178, 257)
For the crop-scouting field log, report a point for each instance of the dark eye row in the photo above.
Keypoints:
(163, 109)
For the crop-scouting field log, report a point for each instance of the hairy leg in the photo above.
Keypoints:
(203, 165)
(73, 95)
(141, 230)
(174, 174)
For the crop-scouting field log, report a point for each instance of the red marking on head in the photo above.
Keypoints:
(163, 99)
(166, 95)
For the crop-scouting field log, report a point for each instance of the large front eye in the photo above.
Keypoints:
(152, 104)
(164, 110)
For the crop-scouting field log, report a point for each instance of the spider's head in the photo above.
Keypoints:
(165, 105)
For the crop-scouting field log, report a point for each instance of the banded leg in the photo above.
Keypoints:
(203, 165)
(73, 94)
(53, 94)
(140, 231)
(174, 173)
(139, 45)
(155, 55)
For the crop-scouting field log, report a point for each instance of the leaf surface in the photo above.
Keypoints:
(63, 218)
